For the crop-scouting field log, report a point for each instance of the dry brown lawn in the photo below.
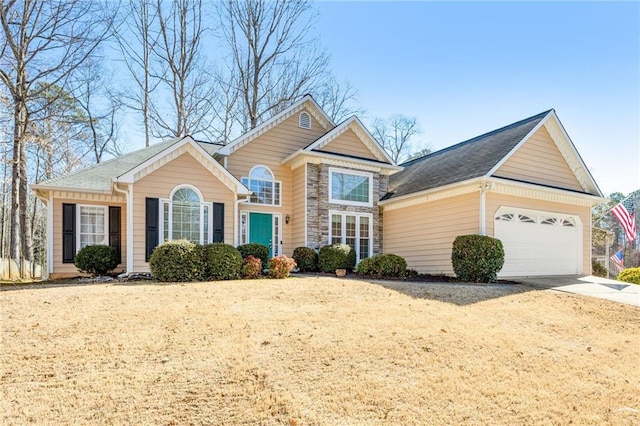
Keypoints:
(315, 350)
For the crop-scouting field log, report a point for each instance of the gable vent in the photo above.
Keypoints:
(304, 120)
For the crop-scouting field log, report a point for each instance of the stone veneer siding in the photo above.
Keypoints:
(318, 206)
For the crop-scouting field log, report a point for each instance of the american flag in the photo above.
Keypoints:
(618, 260)
(626, 215)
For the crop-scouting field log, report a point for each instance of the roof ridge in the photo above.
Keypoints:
(475, 138)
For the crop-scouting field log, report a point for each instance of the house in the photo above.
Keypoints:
(301, 180)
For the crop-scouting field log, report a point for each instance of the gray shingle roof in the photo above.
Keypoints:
(467, 160)
(98, 178)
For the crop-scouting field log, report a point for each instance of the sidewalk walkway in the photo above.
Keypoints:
(603, 288)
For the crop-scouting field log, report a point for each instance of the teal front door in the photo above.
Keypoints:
(261, 230)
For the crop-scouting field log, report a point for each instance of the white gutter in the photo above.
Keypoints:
(129, 195)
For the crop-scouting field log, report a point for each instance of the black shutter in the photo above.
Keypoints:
(115, 240)
(68, 232)
(152, 235)
(218, 222)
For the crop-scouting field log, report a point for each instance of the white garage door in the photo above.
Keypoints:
(538, 243)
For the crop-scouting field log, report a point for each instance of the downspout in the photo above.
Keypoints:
(49, 203)
(235, 218)
(129, 197)
(484, 187)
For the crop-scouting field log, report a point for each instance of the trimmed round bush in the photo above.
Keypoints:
(336, 256)
(477, 258)
(386, 265)
(369, 266)
(306, 258)
(630, 275)
(256, 250)
(176, 261)
(221, 262)
(392, 265)
(281, 266)
(251, 267)
(96, 260)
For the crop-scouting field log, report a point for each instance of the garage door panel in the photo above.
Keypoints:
(537, 242)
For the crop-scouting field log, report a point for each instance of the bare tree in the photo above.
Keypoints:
(41, 41)
(395, 133)
(183, 71)
(136, 37)
(274, 60)
(419, 153)
(338, 100)
(99, 108)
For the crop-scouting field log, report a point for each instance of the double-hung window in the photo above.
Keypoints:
(93, 226)
(350, 187)
(353, 229)
(266, 190)
(185, 216)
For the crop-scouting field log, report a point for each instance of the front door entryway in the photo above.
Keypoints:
(261, 230)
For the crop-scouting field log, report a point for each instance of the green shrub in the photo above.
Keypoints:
(306, 258)
(176, 261)
(281, 266)
(221, 262)
(336, 256)
(392, 265)
(630, 275)
(251, 267)
(96, 260)
(477, 258)
(369, 266)
(597, 269)
(386, 265)
(256, 250)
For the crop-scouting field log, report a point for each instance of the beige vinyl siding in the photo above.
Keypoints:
(183, 170)
(539, 160)
(269, 150)
(298, 223)
(423, 234)
(348, 143)
(68, 269)
(495, 201)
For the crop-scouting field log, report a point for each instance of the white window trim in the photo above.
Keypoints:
(332, 200)
(273, 187)
(357, 237)
(79, 223)
(204, 239)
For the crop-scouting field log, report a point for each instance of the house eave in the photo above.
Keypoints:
(301, 157)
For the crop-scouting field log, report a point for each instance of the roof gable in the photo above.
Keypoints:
(185, 145)
(355, 125)
(307, 103)
(470, 159)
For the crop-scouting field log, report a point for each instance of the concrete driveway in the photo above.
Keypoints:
(603, 288)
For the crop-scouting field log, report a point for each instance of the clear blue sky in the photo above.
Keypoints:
(467, 68)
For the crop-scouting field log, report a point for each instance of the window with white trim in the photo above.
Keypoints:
(93, 226)
(186, 216)
(350, 187)
(353, 229)
(266, 190)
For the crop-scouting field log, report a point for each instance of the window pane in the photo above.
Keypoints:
(205, 224)
(186, 215)
(336, 229)
(348, 187)
(364, 237)
(92, 226)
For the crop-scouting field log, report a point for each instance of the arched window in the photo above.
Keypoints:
(265, 189)
(304, 120)
(185, 216)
